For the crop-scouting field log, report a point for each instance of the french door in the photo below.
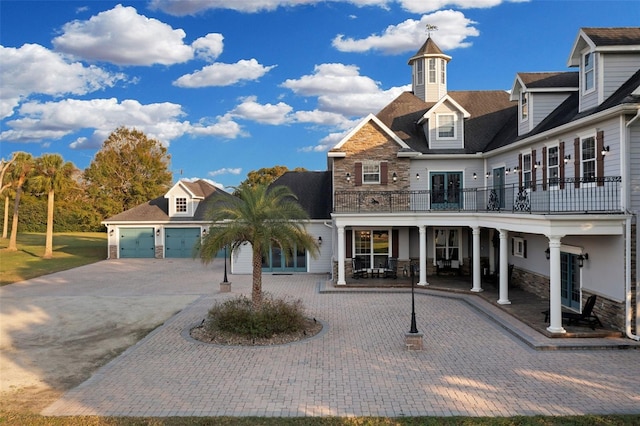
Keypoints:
(569, 280)
(446, 190)
(276, 261)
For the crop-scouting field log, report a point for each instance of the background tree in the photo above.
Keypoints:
(4, 166)
(19, 173)
(261, 216)
(51, 174)
(267, 175)
(129, 169)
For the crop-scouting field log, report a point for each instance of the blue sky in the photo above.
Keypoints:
(234, 86)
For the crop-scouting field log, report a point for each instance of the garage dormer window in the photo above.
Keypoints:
(181, 205)
(446, 126)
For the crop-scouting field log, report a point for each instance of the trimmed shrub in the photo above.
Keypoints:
(276, 316)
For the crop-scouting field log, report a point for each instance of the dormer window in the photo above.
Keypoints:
(588, 72)
(524, 106)
(181, 205)
(446, 126)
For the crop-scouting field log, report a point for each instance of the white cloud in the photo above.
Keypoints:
(341, 89)
(250, 109)
(326, 143)
(21, 75)
(220, 74)
(208, 47)
(453, 30)
(324, 118)
(161, 121)
(193, 7)
(122, 36)
(225, 171)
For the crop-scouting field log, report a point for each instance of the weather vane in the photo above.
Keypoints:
(431, 28)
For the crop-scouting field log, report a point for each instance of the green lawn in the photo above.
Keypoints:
(70, 249)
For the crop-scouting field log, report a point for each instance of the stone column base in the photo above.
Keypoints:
(413, 341)
(225, 287)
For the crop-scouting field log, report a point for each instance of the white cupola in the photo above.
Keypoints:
(429, 68)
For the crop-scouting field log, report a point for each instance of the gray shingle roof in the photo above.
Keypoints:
(621, 36)
(157, 210)
(543, 80)
(313, 190)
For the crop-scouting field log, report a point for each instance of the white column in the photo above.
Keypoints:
(423, 255)
(504, 269)
(341, 259)
(555, 296)
(477, 275)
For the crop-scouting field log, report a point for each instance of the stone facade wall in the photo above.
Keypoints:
(159, 252)
(113, 252)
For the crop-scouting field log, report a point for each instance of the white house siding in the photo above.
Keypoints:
(634, 159)
(524, 126)
(434, 142)
(618, 68)
(543, 104)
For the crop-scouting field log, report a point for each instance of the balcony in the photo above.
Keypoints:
(587, 196)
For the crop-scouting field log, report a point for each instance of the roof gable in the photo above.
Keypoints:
(335, 151)
(566, 81)
(444, 100)
(621, 39)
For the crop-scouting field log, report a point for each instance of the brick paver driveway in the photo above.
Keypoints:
(358, 366)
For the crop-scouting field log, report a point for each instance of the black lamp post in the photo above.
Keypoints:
(414, 328)
(225, 265)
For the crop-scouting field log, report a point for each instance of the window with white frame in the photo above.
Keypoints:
(553, 166)
(588, 159)
(419, 72)
(588, 72)
(446, 126)
(447, 244)
(371, 172)
(432, 70)
(518, 247)
(443, 72)
(181, 205)
(526, 170)
(524, 106)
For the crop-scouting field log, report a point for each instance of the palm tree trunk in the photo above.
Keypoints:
(48, 245)
(256, 289)
(14, 222)
(5, 225)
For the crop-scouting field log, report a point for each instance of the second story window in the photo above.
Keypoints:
(589, 73)
(181, 205)
(432, 70)
(524, 106)
(371, 172)
(588, 159)
(446, 126)
(526, 170)
(553, 170)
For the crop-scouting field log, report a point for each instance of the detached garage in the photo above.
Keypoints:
(180, 242)
(167, 226)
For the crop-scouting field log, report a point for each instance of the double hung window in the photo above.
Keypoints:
(588, 72)
(371, 172)
(419, 72)
(553, 167)
(432, 70)
(526, 170)
(446, 126)
(524, 106)
(588, 159)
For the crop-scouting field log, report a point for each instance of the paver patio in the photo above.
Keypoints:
(476, 362)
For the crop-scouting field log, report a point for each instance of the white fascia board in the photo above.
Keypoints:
(514, 93)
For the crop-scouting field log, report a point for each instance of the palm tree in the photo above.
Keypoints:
(4, 167)
(20, 171)
(261, 216)
(52, 174)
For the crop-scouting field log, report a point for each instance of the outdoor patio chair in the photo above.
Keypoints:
(391, 269)
(587, 317)
(359, 269)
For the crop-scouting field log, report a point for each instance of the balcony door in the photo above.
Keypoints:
(445, 190)
(498, 186)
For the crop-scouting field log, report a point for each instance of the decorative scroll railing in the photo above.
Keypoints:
(599, 195)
